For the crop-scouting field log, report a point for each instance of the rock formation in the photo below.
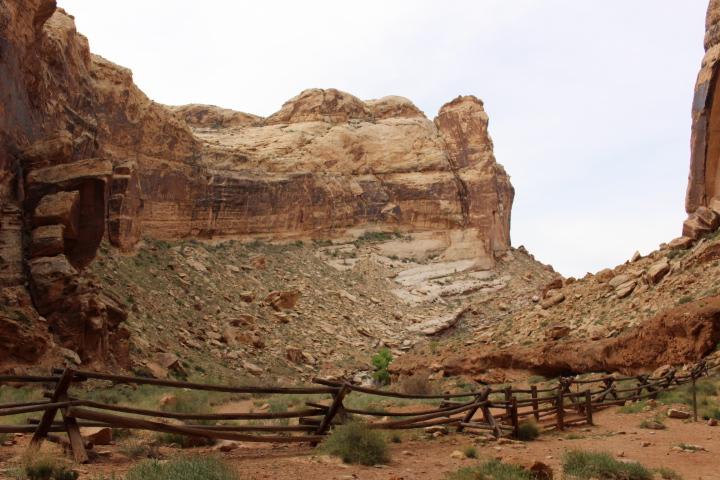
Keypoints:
(703, 193)
(85, 155)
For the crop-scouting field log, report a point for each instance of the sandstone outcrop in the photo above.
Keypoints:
(703, 193)
(85, 155)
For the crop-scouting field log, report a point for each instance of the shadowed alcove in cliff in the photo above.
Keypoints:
(81, 248)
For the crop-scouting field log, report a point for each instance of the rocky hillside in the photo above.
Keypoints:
(650, 311)
(294, 310)
(86, 156)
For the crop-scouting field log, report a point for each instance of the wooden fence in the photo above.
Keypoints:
(500, 411)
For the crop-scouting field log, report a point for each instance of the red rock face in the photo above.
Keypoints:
(85, 155)
(704, 180)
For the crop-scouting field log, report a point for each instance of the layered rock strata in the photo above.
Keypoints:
(85, 155)
(703, 193)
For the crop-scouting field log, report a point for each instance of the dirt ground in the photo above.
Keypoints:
(417, 458)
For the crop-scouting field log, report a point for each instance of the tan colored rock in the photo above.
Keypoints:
(283, 300)
(625, 289)
(97, 435)
(60, 208)
(295, 355)
(657, 271)
(556, 332)
(679, 414)
(618, 280)
(694, 228)
(681, 243)
(553, 300)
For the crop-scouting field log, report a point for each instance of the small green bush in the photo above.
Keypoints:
(668, 474)
(356, 443)
(528, 431)
(492, 470)
(685, 299)
(48, 468)
(583, 465)
(470, 452)
(136, 449)
(381, 361)
(182, 468)
(634, 407)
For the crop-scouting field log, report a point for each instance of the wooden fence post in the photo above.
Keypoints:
(481, 397)
(508, 397)
(694, 399)
(77, 445)
(535, 405)
(561, 409)
(487, 413)
(335, 407)
(514, 417)
(588, 407)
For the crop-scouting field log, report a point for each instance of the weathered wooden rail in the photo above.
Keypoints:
(500, 411)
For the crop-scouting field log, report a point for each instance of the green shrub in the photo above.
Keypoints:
(685, 299)
(136, 449)
(528, 431)
(395, 438)
(583, 465)
(633, 407)
(381, 361)
(182, 468)
(492, 470)
(470, 452)
(355, 442)
(667, 474)
(48, 468)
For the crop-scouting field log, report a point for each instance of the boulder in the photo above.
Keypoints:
(708, 217)
(47, 241)
(295, 355)
(552, 300)
(556, 332)
(283, 300)
(625, 289)
(657, 271)
(59, 208)
(53, 277)
(168, 361)
(679, 414)
(252, 368)
(619, 280)
(97, 435)
(681, 243)
(701, 222)
(714, 205)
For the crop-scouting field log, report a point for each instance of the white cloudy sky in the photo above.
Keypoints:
(589, 101)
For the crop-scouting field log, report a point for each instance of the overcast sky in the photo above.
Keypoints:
(589, 101)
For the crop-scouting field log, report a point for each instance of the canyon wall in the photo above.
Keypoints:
(86, 156)
(703, 193)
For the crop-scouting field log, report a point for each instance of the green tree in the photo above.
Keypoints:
(381, 361)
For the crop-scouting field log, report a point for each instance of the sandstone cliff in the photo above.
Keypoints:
(85, 155)
(703, 193)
